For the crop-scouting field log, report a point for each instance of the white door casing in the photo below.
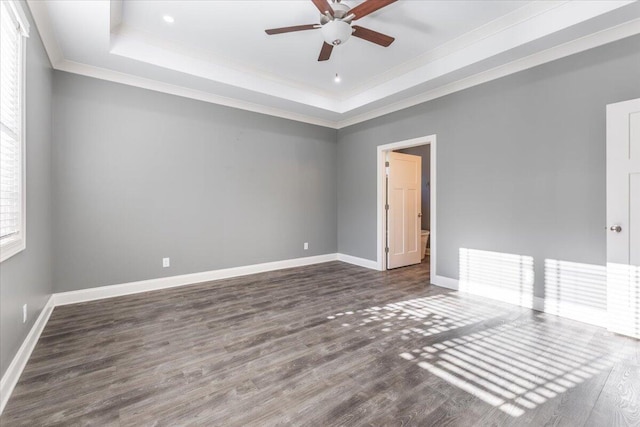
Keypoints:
(381, 200)
(404, 200)
(623, 217)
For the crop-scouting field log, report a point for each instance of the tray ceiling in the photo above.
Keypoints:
(217, 51)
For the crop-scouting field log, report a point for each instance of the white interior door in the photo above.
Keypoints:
(403, 213)
(623, 217)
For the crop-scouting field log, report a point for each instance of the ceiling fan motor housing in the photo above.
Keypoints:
(335, 24)
(335, 31)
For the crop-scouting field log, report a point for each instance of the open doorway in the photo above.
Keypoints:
(428, 190)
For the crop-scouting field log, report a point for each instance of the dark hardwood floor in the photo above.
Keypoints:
(325, 345)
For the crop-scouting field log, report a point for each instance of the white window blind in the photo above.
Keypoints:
(11, 138)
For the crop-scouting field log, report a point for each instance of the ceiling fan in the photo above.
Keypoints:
(336, 24)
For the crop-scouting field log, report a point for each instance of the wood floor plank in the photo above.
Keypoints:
(619, 402)
(329, 344)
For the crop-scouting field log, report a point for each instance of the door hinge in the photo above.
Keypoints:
(386, 250)
(386, 164)
(386, 207)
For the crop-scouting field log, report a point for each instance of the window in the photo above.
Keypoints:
(13, 30)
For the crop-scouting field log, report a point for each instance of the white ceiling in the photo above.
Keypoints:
(217, 51)
(234, 32)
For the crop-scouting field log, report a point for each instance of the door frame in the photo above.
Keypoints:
(382, 214)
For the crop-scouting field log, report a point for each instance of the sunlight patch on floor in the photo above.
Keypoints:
(515, 366)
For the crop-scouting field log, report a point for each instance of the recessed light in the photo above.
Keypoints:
(168, 19)
(337, 78)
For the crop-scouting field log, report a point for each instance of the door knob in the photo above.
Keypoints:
(615, 228)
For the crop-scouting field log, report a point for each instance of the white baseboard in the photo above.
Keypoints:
(367, 263)
(564, 309)
(538, 304)
(110, 291)
(11, 376)
(13, 372)
(581, 313)
(522, 299)
(444, 282)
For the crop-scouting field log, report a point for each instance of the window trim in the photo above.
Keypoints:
(17, 244)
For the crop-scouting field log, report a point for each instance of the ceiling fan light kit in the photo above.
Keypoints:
(336, 32)
(336, 25)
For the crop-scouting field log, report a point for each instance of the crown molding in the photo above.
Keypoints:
(137, 45)
(144, 83)
(501, 24)
(591, 41)
(43, 23)
(487, 46)
(115, 14)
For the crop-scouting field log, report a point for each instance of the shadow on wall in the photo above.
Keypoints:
(497, 275)
(571, 289)
(601, 295)
(576, 290)
(512, 366)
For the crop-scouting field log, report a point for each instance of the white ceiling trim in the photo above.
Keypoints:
(137, 45)
(561, 15)
(492, 28)
(509, 37)
(579, 45)
(47, 34)
(115, 14)
(141, 82)
(538, 20)
(143, 47)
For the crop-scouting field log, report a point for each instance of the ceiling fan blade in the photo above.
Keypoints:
(291, 29)
(372, 36)
(325, 53)
(369, 6)
(323, 6)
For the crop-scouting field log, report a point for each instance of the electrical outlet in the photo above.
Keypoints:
(306, 245)
(166, 262)
(24, 313)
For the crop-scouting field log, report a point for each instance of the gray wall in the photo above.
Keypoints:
(424, 151)
(141, 175)
(26, 277)
(521, 162)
